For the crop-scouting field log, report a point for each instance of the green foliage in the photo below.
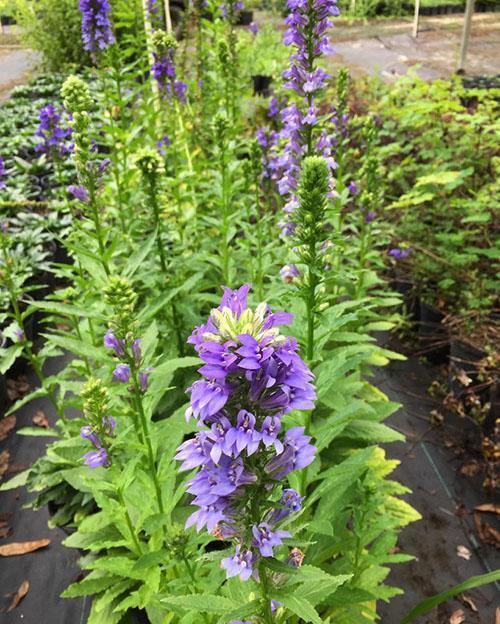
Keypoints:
(440, 167)
(53, 28)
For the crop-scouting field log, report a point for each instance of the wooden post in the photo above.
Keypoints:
(415, 19)
(168, 19)
(469, 11)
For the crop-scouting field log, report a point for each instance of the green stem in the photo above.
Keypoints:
(129, 523)
(266, 607)
(146, 437)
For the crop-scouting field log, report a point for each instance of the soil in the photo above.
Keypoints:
(432, 462)
(48, 570)
(16, 66)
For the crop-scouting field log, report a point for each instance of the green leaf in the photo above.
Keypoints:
(92, 584)
(151, 559)
(162, 375)
(8, 356)
(137, 258)
(372, 432)
(18, 481)
(429, 603)
(203, 603)
(38, 431)
(78, 347)
(299, 606)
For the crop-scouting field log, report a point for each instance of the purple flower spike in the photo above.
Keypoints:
(370, 216)
(122, 373)
(266, 539)
(353, 188)
(87, 433)
(243, 436)
(96, 26)
(112, 342)
(400, 254)
(289, 272)
(109, 424)
(136, 350)
(80, 193)
(51, 132)
(253, 375)
(96, 459)
(241, 564)
(3, 173)
(144, 379)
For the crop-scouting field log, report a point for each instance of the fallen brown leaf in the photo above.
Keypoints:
(13, 468)
(461, 511)
(464, 552)
(21, 548)
(5, 529)
(40, 420)
(4, 462)
(469, 602)
(487, 533)
(19, 595)
(470, 469)
(462, 377)
(488, 507)
(17, 388)
(6, 425)
(457, 617)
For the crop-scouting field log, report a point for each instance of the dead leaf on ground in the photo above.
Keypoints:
(487, 533)
(40, 420)
(21, 548)
(469, 602)
(19, 595)
(13, 468)
(492, 507)
(437, 419)
(470, 469)
(18, 388)
(5, 529)
(464, 552)
(4, 462)
(457, 617)
(462, 378)
(6, 425)
(461, 511)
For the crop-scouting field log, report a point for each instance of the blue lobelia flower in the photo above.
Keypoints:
(252, 376)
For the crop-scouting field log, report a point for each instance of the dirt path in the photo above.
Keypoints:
(387, 48)
(16, 65)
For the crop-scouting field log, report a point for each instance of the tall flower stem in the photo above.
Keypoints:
(264, 584)
(146, 436)
(96, 218)
(33, 359)
(128, 520)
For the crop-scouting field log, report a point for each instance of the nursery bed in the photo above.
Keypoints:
(429, 463)
(48, 570)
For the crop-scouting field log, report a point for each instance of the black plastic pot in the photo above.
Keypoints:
(53, 507)
(463, 357)
(4, 397)
(138, 616)
(245, 18)
(262, 85)
(409, 294)
(432, 334)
